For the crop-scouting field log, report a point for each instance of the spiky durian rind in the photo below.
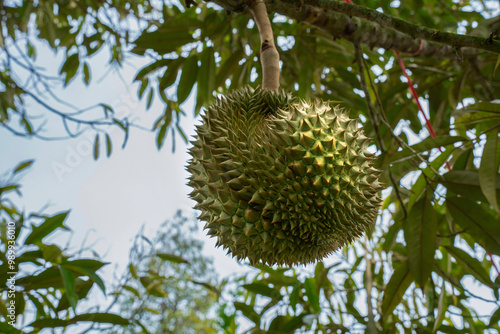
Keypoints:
(281, 182)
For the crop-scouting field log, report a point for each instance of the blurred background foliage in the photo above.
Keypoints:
(440, 221)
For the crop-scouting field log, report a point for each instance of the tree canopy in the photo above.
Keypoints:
(421, 75)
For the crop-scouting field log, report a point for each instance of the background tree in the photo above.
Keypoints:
(440, 221)
(170, 284)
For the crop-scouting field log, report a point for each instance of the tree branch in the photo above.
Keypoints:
(413, 30)
(354, 29)
(269, 56)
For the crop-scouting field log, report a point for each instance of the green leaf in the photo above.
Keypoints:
(8, 329)
(149, 99)
(188, 78)
(69, 285)
(264, 290)
(151, 68)
(88, 272)
(420, 185)
(109, 146)
(133, 290)
(70, 67)
(488, 170)
(171, 258)
(86, 73)
(104, 318)
(495, 318)
(228, 67)
(142, 87)
(395, 289)
(294, 296)
(173, 34)
(170, 75)
(292, 324)
(496, 65)
(441, 308)
(312, 294)
(206, 78)
(87, 263)
(96, 147)
(51, 252)
(208, 286)
(420, 231)
(133, 271)
(48, 226)
(50, 277)
(476, 221)
(425, 145)
(160, 138)
(107, 318)
(23, 165)
(50, 323)
(471, 265)
(466, 184)
(484, 106)
(248, 312)
(82, 289)
(483, 114)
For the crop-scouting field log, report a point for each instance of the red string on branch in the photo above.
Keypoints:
(415, 95)
(427, 122)
(429, 126)
(419, 49)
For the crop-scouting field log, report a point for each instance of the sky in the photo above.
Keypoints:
(111, 198)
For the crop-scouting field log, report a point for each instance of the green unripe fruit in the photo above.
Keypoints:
(281, 182)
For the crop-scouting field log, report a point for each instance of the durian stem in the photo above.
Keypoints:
(269, 56)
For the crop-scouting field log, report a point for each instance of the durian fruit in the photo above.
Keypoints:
(280, 182)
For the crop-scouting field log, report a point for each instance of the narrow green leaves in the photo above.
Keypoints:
(488, 170)
(395, 289)
(248, 312)
(228, 67)
(96, 147)
(312, 294)
(169, 37)
(264, 290)
(466, 184)
(188, 78)
(69, 286)
(109, 146)
(476, 221)
(427, 173)
(206, 78)
(23, 165)
(70, 67)
(171, 258)
(420, 230)
(170, 75)
(471, 265)
(47, 227)
(425, 145)
(86, 73)
(107, 318)
(151, 68)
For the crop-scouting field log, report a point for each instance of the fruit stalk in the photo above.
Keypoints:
(269, 56)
